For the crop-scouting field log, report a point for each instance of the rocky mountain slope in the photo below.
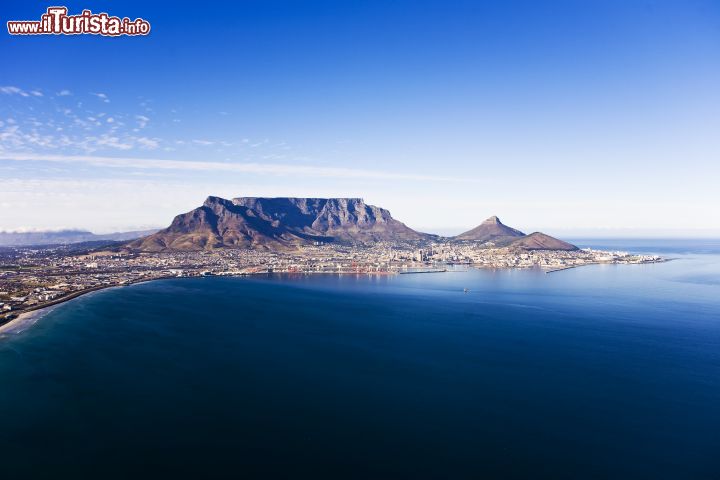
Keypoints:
(285, 223)
(541, 241)
(491, 230)
(277, 224)
(494, 231)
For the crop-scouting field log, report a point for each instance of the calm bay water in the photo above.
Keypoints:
(595, 372)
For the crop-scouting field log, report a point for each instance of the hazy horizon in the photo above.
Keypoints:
(566, 233)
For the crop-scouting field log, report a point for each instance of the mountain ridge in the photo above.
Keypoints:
(277, 223)
(541, 241)
(286, 223)
(65, 237)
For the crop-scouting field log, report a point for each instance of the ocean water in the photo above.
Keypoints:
(594, 372)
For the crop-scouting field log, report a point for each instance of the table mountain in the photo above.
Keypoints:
(277, 224)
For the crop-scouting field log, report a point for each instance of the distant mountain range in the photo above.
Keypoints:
(64, 237)
(285, 223)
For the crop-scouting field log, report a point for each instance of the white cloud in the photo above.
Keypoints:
(102, 97)
(148, 143)
(87, 134)
(63, 93)
(113, 142)
(10, 90)
(142, 120)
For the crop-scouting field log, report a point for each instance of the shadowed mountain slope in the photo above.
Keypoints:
(277, 224)
(540, 241)
(491, 230)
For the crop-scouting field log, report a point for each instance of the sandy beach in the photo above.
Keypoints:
(29, 318)
(24, 321)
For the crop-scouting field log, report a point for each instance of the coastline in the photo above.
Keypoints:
(568, 267)
(24, 320)
(34, 312)
(32, 315)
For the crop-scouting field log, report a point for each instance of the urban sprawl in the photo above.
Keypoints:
(33, 278)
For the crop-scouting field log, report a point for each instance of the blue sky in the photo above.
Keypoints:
(574, 117)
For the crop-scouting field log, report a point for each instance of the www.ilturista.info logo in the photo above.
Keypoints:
(57, 22)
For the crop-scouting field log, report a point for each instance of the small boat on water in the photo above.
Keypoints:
(427, 270)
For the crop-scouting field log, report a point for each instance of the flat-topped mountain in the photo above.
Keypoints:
(344, 219)
(491, 230)
(277, 224)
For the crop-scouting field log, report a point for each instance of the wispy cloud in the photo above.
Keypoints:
(142, 120)
(236, 167)
(10, 90)
(113, 142)
(148, 143)
(69, 124)
(102, 97)
(75, 133)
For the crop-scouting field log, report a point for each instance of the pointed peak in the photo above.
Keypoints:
(490, 229)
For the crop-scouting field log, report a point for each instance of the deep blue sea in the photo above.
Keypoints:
(594, 372)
